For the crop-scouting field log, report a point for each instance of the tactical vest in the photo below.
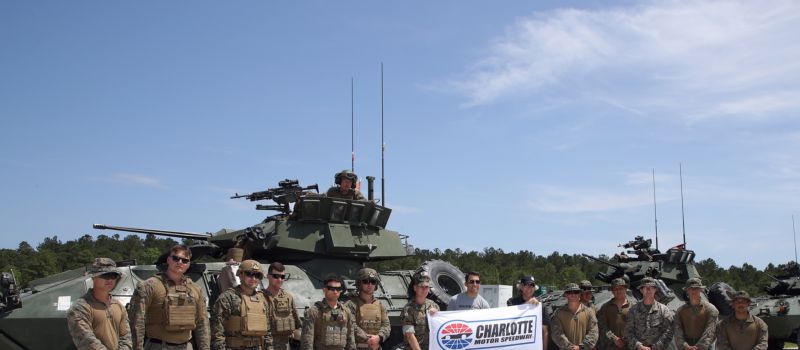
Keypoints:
(741, 335)
(283, 315)
(106, 320)
(615, 317)
(172, 310)
(694, 323)
(369, 317)
(330, 328)
(575, 326)
(252, 321)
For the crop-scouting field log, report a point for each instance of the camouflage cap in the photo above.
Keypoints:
(694, 283)
(251, 266)
(368, 273)
(619, 282)
(237, 254)
(572, 287)
(422, 280)
(102, 266)
(740, 295)
(585, 284)
(647, 282)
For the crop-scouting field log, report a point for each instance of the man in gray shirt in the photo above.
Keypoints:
(469, 300)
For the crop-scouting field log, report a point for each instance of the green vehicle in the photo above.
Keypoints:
(780, 308)
(323, 236)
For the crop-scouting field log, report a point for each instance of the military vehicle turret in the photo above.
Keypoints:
(780, 308)
(320, 237)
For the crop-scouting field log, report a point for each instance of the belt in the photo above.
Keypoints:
(159, 341)
(243, 342)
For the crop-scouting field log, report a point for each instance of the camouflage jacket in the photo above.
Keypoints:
(707, 330)
(314, 330)
(415, 320)
(568, 329)
(81, 323)
(354, 305)
(752, 333)
(229, 304)
(649, 326)
(142, 299)
(354, 194)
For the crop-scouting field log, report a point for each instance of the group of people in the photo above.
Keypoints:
(623, 323)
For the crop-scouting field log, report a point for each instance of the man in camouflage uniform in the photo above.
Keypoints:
(527, 287)
(587, 294)
(346, 181)
(95, 320)
(327, 324)
(239, 316)
(168, 311)
(695, 321)
(741, 330)
(372, 321)
(415, 314)
(612, 316)
(284, 321)
(574, 325)
(649, 324)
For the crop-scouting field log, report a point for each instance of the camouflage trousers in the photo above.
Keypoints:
(149, 345)
(280, 342)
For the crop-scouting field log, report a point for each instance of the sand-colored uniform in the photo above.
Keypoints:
(354, 194)
(283, 318)
(239, 321)
(326, 328)
(611, 323)
(95, 325)
(733, 334)
(371, 319)
(696, 325)
(568, 329)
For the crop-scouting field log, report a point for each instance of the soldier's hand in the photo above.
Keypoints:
(644, 348)
(374, 341)
(533, 301)
(297, 334)
(619, 343)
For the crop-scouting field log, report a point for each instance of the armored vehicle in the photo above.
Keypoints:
(780, 308)
(320, 237)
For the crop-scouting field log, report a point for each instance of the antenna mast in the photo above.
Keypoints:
(352, 129)
(683, 219)
(795, 239)
(655, 209)
(383, 146)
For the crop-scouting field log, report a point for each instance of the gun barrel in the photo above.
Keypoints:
(602, 261)
(178, 234)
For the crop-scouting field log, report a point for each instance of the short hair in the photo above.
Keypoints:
(181, 247)
(332, 278)
(471, 273)
(276, 266)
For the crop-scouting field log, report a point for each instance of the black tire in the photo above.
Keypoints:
(774, 344)
(719, 295)
(446, 281)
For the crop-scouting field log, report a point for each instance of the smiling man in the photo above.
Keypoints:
(96, 321)
(695, 321)
(284, 320)
(469, 300)
(574, 324)
(742, 330)
(649, 324)
(239, 316)
(372, 320)
(328, 325)
(168, 311)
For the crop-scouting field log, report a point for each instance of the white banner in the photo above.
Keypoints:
(513, 327)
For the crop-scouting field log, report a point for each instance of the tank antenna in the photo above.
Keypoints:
(683, 219)
(795, 239)
(352, 129)
(655, 209)
(383, 147)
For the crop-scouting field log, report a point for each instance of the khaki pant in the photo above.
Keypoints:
(148, 345)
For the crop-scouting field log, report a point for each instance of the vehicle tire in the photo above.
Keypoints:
(775, 345)
(446, 281)
(719, 295)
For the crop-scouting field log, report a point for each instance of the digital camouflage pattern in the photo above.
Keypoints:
(325, 328)
(143, 298)
(696, 325)
(94, 325)
(415, 320)
(649, 326)
(229, 304)
(568, 329)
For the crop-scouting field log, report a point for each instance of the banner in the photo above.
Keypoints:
(513, 327)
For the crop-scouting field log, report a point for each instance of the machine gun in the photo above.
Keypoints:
(288, 191)
(641, 247)
(9, 292)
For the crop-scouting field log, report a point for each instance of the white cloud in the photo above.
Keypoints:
(133, 179)
(692, 59)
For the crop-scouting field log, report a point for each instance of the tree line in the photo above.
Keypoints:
(495, 265)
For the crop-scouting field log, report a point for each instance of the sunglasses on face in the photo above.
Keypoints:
(251, 274)
(369, 281)
(528, 284)
(278, 276)
(109, 276)
(474, 282)
(334, 289)
(179, 259)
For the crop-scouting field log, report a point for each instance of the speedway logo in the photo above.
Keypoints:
(507, 327)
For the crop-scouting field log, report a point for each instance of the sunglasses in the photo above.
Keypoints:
(251, 274)
(278, 276)
(334, 289)
(529, 284)
(179, 259)
(109, 276)
(369, 281)
(474, 282)
(573, 292)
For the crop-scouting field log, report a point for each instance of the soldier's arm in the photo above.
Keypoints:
(297, 322)
(667, 329)
(722, 337)
(360, 334)
(557, 333)
(386, 328)
(79, 324)
(139, 303)
(268, 338)
(590, 339)
(200, 334)
(602, 324)
(630, 330)
(351, 334)
(219, 312)
(710, 332)
(409, 331)
(680, 339)
(763, 335)
(124, 342)
(307, 339)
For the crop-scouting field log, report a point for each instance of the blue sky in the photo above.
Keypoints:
(521, 125)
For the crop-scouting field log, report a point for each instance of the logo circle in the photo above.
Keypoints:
(455, 335)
